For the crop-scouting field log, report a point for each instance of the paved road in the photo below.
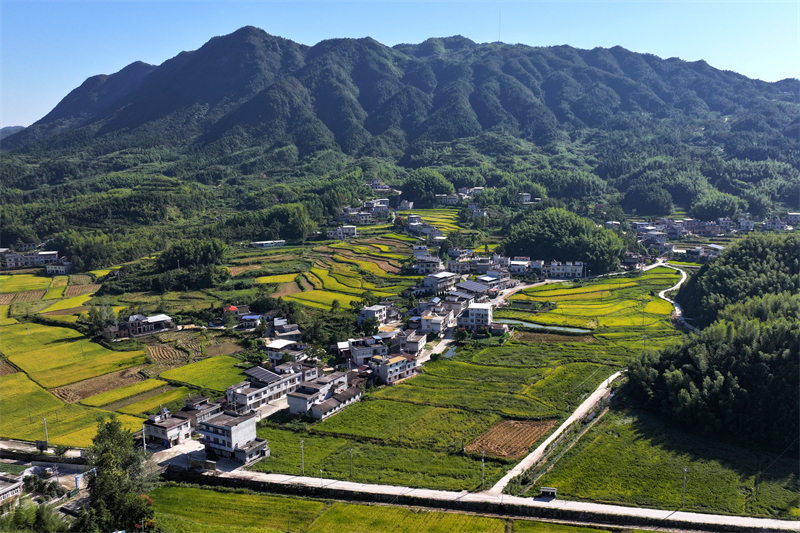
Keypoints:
(464, 496)
(676, 305)
(536, 454)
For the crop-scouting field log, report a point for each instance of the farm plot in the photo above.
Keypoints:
(77, 290)
(6, 320)
(148, 404)
(187, 509)
(216, 373)
(399, 465)
(629, 457)
(80, 279)
(70, 362)
(25, 404)
(29, 296)
(21, 338)
(418, 425)
(511, 438)
(236, 270)
(6, 369)
(23, 282)
(278, 278)
(162, 353)
(69, 303)
(54, 293)
(217, 347)
(123, 392)
(90, 387)
(322, 299)
(374, 518)
(7, 297)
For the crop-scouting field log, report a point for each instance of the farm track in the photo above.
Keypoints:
(94, 386)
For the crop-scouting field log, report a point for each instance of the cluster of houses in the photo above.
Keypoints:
(30, 255)
(138, 326)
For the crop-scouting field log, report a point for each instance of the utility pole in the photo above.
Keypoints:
(400, 433)
(608, 366)
(482, 468)
(320, 478)
(46, 438)
(302, 458)
(351, 463)
(683, 497)
(83, 353)
(144, 439)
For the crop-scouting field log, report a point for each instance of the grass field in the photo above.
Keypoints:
(116, 395)
(23, 282)
(631, 458)
(5, 320)
(420, 425)
(216, 373)
(148, 404)
(399, 465)
(67, 357)
(25, 405)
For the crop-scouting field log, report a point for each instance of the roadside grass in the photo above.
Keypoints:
(321, 299)
(69, 362)
(399, 465)
(629, 457)
(26, 404)
(379, 519)
(186, 509)
(529, 526)
(116, 395)
(411, 424)
(216, 373)
(151, 403)
(23, 282)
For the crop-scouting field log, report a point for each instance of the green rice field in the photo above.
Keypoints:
(148, 404)
(116, 395)
(216, 373)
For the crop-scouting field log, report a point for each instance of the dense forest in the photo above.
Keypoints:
(255, 136)
(738, 375)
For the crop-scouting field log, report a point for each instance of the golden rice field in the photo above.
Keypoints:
(23, 282)
(69, 303)
(26, 404)
(148, 404)
(5, 320)
(278, 278)
(121, 393)
(322, 299)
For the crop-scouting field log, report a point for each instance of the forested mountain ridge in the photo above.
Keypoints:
(252, 122)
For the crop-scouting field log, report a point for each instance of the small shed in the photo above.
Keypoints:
(547, 492)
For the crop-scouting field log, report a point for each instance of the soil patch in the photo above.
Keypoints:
(7, 297)
(70, 311)
(90, 387)
(161, 352)
(527, 336)
(512, 439)
(6, 369)
(223, 348)
(29, 296)
(235, 271)
(77, 290)
(80, 279)
(286, 289)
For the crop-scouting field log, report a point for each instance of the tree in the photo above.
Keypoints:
(335, 306)
(648, 200)
(370, 326)
(423, 184)
(462, 335)
(117, 497)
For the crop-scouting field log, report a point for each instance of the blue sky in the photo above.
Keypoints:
(47, 48)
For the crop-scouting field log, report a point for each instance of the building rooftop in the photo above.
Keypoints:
(262, 374)
(228, 419)
(167, 423)
(280, 344)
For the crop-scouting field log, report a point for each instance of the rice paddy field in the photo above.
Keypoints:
(149, 404)
(121, 393)
(187, 509)
(216, 373)
(26, 404)
(631, 458)
(23, 282)
(444, 219)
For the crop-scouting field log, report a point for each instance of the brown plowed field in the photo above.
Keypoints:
(6, 369)
(77, 290)
(511, 438)
(285, 289)
(80, 279)
(29, 296)
(78, 391)
(161, 352)
(223, 348)
(7, 297)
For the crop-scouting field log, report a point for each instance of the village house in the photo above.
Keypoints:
(233, 436)
(279, 349)
(30, 259)
(138, 325)
(60, 268)
(613, 224)
(475, 211)
(775, 224)
(523, 197)
(793, 219)
(714, 250)
(379, 312)
(405, 205)
(745, 224)
(10, 487)
(568, 269)
(391, 369)
(429, 264)
(199, 408)
(414, 219)
(457, 301)
(265, 386)
(459, 267)
(365, 348)
(459, 254)
(410, 341)
(633, 261)
(519, 268)
(472, 287)
(420, 251)
(267, 244)
(282, 330)
(476, 316)
(343, 232)
(436, 321)
(167, 430)
(447, 199)
(440, 281)
(309, 397)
